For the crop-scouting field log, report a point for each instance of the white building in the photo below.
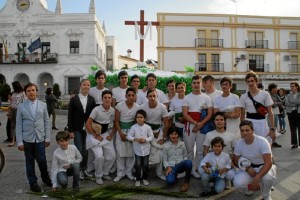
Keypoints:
(231, 45)
(70, 44)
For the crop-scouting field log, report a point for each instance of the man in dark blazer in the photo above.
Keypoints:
(80, 108)
(33, 135)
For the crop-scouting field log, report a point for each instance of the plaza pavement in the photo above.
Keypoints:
(13, 182)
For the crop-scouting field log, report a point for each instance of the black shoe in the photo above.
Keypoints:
(35, 188)
(48, 182)
(205, 194)
(54, 128)
(276, 145)
(7, 141)
(294, 147)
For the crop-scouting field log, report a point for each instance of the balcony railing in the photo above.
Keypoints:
(294, 44)
(209, 67)
(260, 44)
(259, 68)
(208, 42)
(294, 68)
(29, 58)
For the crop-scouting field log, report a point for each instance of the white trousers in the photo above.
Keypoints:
(103, 158)
(190, 139)
(242, 179)
(124, 164)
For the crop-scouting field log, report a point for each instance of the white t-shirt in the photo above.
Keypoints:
(161, 97)
(227, 104)
(127, 114)
(176, 106)
(253, 152)
(229, 140)
(103, 117)
(155, 115)
(119, 94)
(262, 97)
(196, 102)
(139, 96)
(97, 94)
(214, 94)
(137, 131)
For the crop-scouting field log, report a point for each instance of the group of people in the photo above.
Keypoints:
(125, 129)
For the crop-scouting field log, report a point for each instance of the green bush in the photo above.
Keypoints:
(112, 79)
(5, 90)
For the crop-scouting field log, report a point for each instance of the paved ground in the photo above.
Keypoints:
(13, 183)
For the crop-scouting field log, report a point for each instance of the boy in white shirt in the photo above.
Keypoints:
(65, 162)
(141, 135)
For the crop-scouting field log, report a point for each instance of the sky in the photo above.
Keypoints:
(115, 12)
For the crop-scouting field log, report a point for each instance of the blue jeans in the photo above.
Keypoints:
(281, 119)
(62, 177)
(141, 166)
(80, 143)
(219, 183)
(35, 151)
(183, 166)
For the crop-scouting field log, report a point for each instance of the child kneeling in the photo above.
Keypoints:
(175, 160)
(65, 162)
(213, 168)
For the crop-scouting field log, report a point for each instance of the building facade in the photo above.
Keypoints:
(231, 45)
(70, 44)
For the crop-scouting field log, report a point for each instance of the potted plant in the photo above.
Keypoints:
(190, 71)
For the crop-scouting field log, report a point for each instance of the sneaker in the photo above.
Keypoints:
(81, 175)
(88, 174)
(130, 176)
(195, 174)
(137, 183)
(276, 145)
(248, 192)
(118, 178)
(145, 182)
(185, 187)
(227, 184)
(99, 181)
(113, 170)
(182, 175)
(162, 177)
(35, 188)
(106, 177)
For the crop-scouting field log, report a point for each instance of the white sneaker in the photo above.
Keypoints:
(248, 192)
(195, 174)
(99, 181)
(130, 176)
(137, 183)
(106, 177)
(182, 175)
(118, 178)
(113, 170)
(81, 175)
(145, 182)
(88, 174)
(227, 184)
(162, 177)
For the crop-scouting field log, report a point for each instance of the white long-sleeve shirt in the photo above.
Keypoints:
(62, 158)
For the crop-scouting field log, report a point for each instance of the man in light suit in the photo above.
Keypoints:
(33, 135)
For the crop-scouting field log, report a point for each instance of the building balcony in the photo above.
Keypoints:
(209, 67)
(258, 44)
(208, 42)
(294, 68)
(259, 68)
(34, 58)
(294, 44)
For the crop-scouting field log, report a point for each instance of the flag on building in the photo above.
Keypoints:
(5, 48)
(35, 45)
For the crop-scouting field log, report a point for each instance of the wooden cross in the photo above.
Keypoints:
(142, 23)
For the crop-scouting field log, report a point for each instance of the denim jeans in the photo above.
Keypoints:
(62, 177)
(35, 151)
(80, 143)
(219, 183)
(183, 166)
(141, 166)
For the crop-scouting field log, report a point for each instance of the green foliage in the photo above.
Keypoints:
(114, 191)
(94, 67)
(5, 90)
(189, 68)
(56, 90)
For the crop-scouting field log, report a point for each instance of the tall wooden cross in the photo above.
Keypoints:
(142, 23)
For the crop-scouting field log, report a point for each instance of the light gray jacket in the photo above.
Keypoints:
(292, 102)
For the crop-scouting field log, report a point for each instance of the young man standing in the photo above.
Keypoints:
(96, 91)
(192, 105)
(33, 135)
(208, 83)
